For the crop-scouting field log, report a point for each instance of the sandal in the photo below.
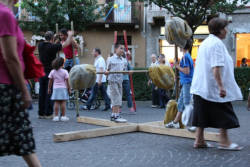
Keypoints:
(231, 147)
(205, 145)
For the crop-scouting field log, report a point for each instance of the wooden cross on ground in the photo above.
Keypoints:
(113, 128)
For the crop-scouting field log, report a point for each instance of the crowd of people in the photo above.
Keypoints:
(211, 83)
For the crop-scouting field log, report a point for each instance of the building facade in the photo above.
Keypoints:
(237, 41)
(126, 16)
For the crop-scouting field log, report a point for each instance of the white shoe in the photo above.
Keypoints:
(56, 119)
(192, 129)
(173, 125)
(120, 120)
(64, 118)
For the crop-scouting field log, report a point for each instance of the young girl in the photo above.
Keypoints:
(61, 89)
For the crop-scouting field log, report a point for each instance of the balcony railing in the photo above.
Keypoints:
(126, 12)
(154, 7)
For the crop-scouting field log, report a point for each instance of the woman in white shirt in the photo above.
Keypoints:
(214, 88)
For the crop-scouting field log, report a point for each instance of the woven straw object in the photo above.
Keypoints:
(162, 76)
(177, 31)
(82, 76)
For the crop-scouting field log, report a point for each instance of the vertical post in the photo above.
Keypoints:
(130, 76)
(57, 28)
(76, 91)
(176, 75)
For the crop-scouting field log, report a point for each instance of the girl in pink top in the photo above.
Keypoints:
(59, 78)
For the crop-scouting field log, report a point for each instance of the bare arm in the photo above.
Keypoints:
(68, 86)
(217, 76)
(185, 70)
(50, 85)
(68, 40)
(11, 59)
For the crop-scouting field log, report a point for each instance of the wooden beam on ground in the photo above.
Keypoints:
(100, 122)
(211, 136)
(92, 133)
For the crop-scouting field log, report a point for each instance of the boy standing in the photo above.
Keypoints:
(116, 63)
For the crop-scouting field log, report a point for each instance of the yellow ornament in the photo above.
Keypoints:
(115, 6)
(17, 5)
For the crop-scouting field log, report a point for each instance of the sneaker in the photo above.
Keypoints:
(56, 119)
(154, 106)
(173, 125)
(112, 118)
(192, 129)
(64, 118)
(120, 120)
(85, 108)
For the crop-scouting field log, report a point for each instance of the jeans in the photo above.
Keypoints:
(126, 88)
(185, 97)
(155, 96)
(45, 103)
(94, 93)
(68, 64)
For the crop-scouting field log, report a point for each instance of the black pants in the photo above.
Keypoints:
(45, 104)
(155, 96)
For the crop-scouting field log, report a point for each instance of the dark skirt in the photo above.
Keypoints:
(16, 136)
(214, 115)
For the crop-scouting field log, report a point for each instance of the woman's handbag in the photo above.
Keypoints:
(187, 115)
(33, 67)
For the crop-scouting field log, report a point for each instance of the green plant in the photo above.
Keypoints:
(242, 76)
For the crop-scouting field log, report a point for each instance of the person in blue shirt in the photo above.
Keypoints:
(186, 70)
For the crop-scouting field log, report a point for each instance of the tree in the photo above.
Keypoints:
(47, 13)
(195, 12)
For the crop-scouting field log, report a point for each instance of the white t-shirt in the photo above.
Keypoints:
(100, 63)
(213, 53)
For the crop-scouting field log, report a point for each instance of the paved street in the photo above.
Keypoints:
(132, 149)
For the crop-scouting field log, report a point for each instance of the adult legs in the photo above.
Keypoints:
(32, 160)
(126, 87)
(105, 95)
(155, 95)
(42, 95)
(92, 97)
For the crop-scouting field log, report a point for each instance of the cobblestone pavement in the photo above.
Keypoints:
(131, 149)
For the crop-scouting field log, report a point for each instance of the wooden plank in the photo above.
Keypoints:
(211, 136)
(100, 122)
(92, 133)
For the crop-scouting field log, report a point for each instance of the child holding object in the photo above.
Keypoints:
(116, 63)
(60, 79)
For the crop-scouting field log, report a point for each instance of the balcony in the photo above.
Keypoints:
(126, 13)
(156, 14)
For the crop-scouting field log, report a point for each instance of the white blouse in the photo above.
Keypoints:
(213, 53)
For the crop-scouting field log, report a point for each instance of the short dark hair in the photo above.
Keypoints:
(244, 60)
(188, 44)
(162, 55)
(48, 35)
(64, 31)
(98, 50)
(217, 24)
(117, 45)
(57, 63)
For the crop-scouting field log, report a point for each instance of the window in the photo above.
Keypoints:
(242, 48)
(169, 51)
